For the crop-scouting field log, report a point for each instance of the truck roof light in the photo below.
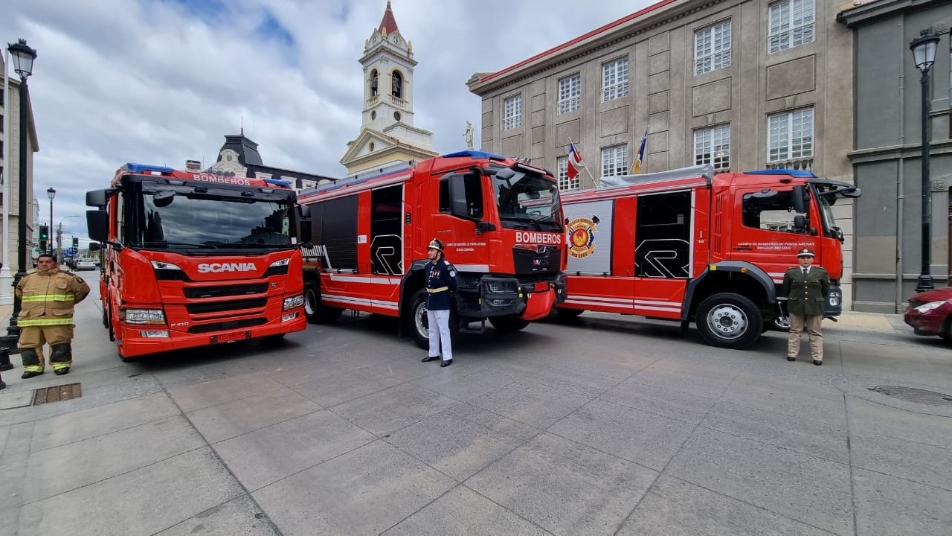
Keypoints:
(145, 168)
(792, 172)
(278, 182)
(475, 154)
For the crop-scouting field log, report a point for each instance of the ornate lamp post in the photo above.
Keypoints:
(923, 52)
(23, 57)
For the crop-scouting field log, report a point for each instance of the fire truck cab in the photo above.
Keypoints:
(500, 221)
(195, 259)
(688, 245)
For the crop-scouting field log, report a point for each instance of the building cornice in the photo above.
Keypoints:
(645, 20)
(867, 12)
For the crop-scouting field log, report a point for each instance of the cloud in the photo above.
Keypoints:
(162, 81)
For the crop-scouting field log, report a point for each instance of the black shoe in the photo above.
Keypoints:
(429, 358)
(446, 363)
(791, 358)
(817, 362)
(28, 375)
(61, 372)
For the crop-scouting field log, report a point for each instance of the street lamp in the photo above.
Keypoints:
(23, 57)
(923, 52)
(51, 193)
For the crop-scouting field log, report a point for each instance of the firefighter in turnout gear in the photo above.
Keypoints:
(806, 287)
(47, 297)
(440, 287)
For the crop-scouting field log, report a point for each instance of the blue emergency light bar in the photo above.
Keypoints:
(792, 172)
(475, 154)
(145, 168)
(278, 182)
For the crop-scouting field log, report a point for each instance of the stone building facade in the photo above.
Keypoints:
(887, 157)
(739, 84)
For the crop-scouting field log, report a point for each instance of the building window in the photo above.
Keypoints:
(615, 80)
(512, 112)
(373, 83)
(790, 135)
(570, 94)
(615, 161)
(562, 173)
(397, 88)
(790, 24)
(712, 48)
(713, 146)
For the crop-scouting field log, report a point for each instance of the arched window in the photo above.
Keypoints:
(373, 83)
(397, 85)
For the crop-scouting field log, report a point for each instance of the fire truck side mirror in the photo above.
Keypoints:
(304, 224)
(799, 199)
(97, 222)
(94, 246)
(96, 198)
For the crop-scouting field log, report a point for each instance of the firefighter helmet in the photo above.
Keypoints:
(436, 244)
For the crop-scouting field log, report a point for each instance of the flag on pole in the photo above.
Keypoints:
(640, 157)
(574, 161)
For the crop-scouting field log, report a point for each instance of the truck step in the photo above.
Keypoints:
(466, 327)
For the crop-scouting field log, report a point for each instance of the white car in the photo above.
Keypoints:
(85, 264)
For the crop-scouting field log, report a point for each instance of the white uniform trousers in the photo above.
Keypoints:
(439, 328)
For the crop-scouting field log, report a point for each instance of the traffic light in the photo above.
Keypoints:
(44, 238)
(75, 242)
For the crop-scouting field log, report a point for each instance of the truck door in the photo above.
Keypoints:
(664, 252)
(767, 231)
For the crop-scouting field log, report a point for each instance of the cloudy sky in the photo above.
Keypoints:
(162, 81)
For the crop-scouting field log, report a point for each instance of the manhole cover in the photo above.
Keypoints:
(919, 396)
(57, 393)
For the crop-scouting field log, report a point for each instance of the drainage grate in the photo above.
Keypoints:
(919, 396)
(57, 393)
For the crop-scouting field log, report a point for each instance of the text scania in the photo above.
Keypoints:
(216, 267)
(523, 237)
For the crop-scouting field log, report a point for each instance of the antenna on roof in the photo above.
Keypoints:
(242, 123)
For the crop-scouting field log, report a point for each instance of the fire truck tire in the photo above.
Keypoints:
(508, 324)
(273, 340)
(568, 314)
(729, 321)
(314, 310)
(418, 324)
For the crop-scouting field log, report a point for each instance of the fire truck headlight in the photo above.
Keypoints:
(293, 301)
(142, 316)
(501, 286)
(160, 265)
(282, 262)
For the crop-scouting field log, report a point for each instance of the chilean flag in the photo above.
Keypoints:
(574, 161)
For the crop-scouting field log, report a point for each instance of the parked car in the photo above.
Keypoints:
(85, 264)
(930, 313)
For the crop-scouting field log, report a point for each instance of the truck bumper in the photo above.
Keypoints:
(133, 339)
(508, 296)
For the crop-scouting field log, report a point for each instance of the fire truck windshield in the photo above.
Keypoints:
(161, 221)
(528, 201)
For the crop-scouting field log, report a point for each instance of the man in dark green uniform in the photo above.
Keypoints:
(806, 287)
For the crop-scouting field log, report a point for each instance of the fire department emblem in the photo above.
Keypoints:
(581, 232)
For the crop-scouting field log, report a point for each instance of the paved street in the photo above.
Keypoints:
(604, 426)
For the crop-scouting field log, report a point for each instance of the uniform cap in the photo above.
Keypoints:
(805, 252)
(435, 244)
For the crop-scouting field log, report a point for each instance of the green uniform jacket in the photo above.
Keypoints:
(806, 294)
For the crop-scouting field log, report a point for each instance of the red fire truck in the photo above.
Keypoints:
(194, 259)
(689, 245)
(500, 220)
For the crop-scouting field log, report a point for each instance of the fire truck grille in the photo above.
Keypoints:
(230, 290)
(231, 324)
(231, 305)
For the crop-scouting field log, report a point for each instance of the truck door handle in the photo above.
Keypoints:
(743, 248)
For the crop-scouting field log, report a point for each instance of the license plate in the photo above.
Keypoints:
(231, 337)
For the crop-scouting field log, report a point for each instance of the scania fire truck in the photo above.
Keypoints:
(500, 220)
(689, 245)
(194, 259)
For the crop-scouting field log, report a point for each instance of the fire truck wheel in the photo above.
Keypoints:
(314, 310)
(418, 323)
(729, 321)
(508, 324)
